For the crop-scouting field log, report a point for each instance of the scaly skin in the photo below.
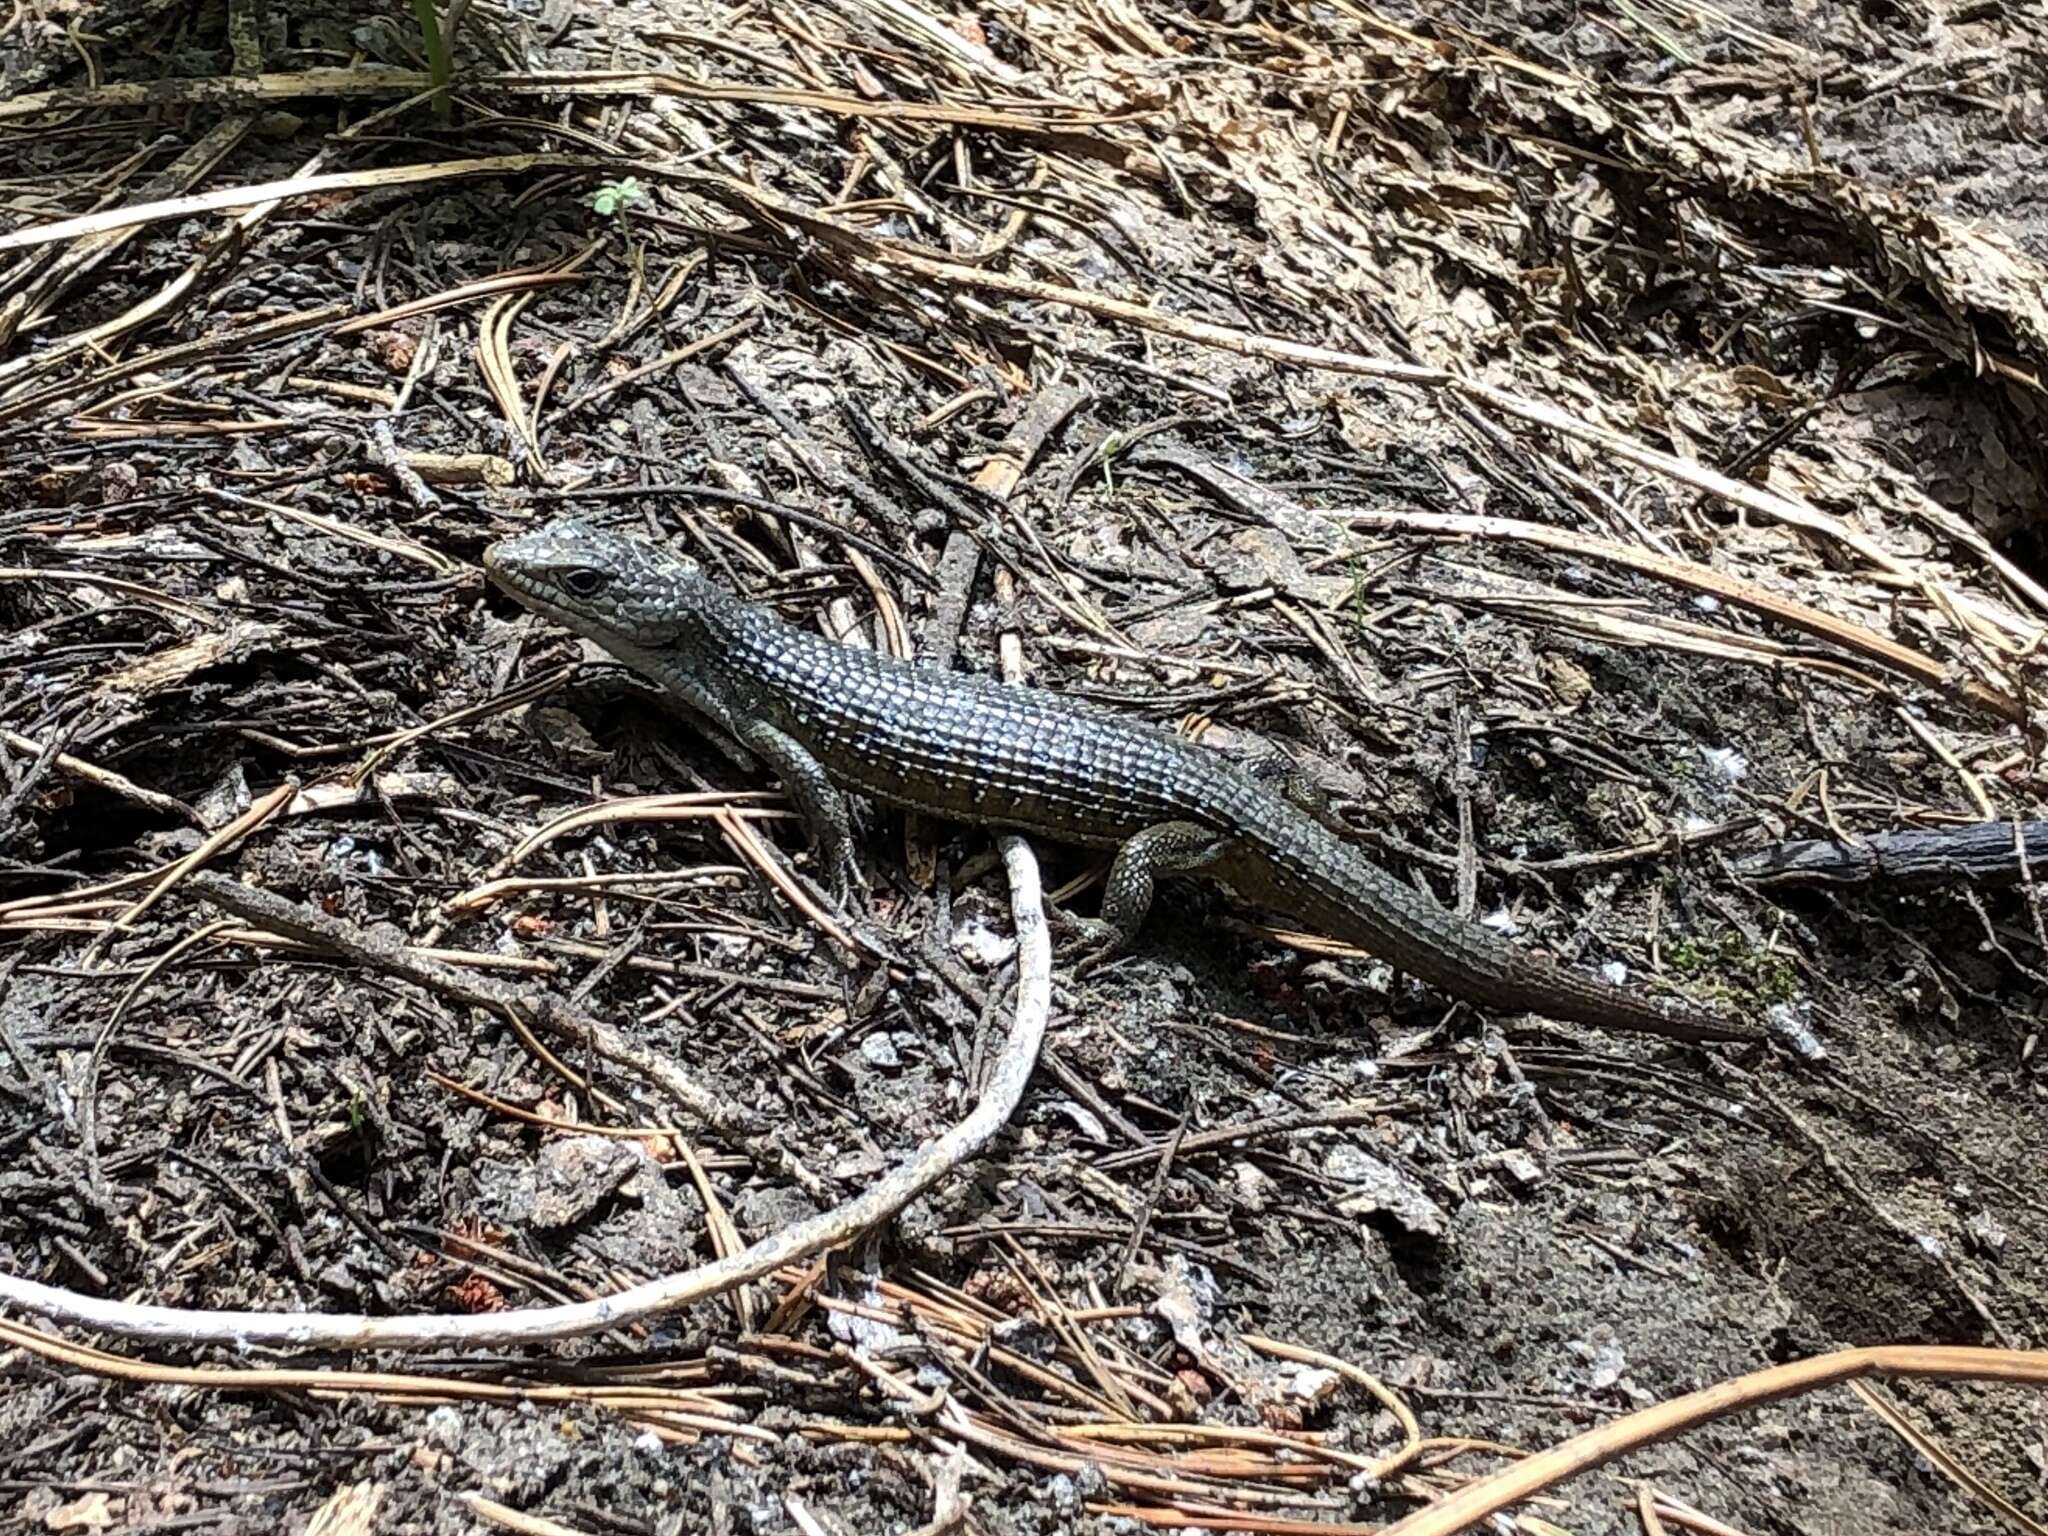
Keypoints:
(828, 717)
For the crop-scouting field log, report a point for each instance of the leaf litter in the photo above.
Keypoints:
(1505, 418)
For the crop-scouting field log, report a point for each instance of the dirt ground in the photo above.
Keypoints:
(1667, 490)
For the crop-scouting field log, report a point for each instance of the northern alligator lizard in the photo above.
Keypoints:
(829, 718)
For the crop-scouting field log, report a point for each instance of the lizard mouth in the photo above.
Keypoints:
(503, 567)
(506, 573)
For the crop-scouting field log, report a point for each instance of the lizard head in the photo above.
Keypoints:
(608, 586)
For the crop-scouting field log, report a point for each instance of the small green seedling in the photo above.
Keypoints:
(1112, 445)
(611, 200)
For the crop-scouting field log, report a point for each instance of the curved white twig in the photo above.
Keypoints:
(927, 1167)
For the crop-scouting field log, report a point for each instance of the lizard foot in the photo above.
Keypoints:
(1086, 942)
(843, 879)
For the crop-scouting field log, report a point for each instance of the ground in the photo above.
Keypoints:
(1598, 444)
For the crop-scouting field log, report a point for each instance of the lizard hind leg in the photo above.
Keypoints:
(1165, 848)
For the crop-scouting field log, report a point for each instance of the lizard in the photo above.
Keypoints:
(829, 718)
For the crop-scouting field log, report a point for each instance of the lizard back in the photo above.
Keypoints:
(970, 749)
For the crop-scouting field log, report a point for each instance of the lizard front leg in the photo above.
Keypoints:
(819, 804)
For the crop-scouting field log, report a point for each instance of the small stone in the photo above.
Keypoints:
(1384, 1190)
(577, 1174)
(1315, 1384)
(981, 946)
(1988, 1235)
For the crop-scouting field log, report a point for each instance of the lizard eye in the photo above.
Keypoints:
(582, 581)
